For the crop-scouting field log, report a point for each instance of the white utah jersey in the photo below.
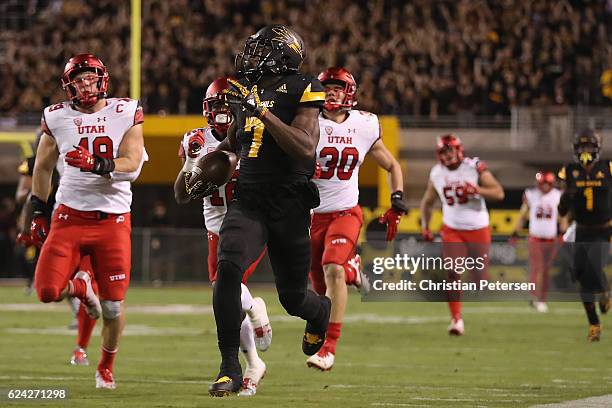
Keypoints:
(341, 150)
(215, 205)
(459, 212)
(542, 212)
(101, 133)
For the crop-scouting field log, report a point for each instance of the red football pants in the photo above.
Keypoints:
(333, 238)
(213, 243)
(74, 234)
(541, 257)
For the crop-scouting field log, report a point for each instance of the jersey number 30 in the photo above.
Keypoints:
(343, 173)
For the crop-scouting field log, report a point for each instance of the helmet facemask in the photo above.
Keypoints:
(218, 114)
(76, 88)
(331, 104)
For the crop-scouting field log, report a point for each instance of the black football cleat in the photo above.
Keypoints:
(314, 335)
(224, 386)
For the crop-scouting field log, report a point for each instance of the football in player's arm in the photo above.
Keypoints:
(255, 329)
(276, 111)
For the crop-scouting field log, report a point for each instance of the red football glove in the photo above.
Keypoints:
(393, 214)
(470, 190)
(39, 229)
(84, 160)
(392, 219)
(81, 158)
(513, 239)
(24, 239)
(427, 235)
(195, 143)
(317, 172)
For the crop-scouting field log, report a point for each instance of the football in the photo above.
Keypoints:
(216, 167)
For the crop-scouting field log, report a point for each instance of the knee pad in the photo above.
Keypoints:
(292, 301)
(111, 309)
(48, 294)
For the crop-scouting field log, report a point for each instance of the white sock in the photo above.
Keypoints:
(246, 298)
(247, 343)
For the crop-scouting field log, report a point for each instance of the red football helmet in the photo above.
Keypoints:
(446, 142)
(340, 76)
(80, 63)
(215, 107)
(545, 177)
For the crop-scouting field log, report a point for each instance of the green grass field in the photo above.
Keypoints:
(390, 354)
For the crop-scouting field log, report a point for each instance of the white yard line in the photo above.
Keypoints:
(603, 401)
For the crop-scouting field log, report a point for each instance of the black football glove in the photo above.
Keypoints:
(199, 189)
(238, 94)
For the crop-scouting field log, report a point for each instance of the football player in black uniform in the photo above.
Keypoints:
(587, 195)
(275, 131)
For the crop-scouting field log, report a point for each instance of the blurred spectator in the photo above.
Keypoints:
(421, 57)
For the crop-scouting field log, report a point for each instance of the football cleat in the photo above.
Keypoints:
(541, 307)
(314, 336)
(252, 378)
(594, 333)
(323, 360)
(91, 301)
(224, 386)
(79, 357)
(456, 327)
(104, 379)
(605, 302)
(261, 324)
(362, 282)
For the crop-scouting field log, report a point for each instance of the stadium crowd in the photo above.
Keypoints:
(420, 57)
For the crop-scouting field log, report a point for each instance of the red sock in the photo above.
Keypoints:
(333, 334)
(78, 288)
(107, 360)
(350, 273)
(85, 327)
(455, 309)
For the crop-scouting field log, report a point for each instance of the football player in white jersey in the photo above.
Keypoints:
(347, 135)
(101, 142)
(462, 184)
(540, 207)
(255, 330)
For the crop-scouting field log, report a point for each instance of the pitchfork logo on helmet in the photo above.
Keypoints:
(449, 143)
(342, 77)
(215, 107)
(587, 146)
(76, 89)
(275, 49)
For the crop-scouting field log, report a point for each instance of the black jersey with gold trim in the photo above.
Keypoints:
(590, 193)
(261, 159)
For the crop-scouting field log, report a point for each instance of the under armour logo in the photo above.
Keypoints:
(352, 130)
(62, 216)
(103, 119)
(119, 219)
